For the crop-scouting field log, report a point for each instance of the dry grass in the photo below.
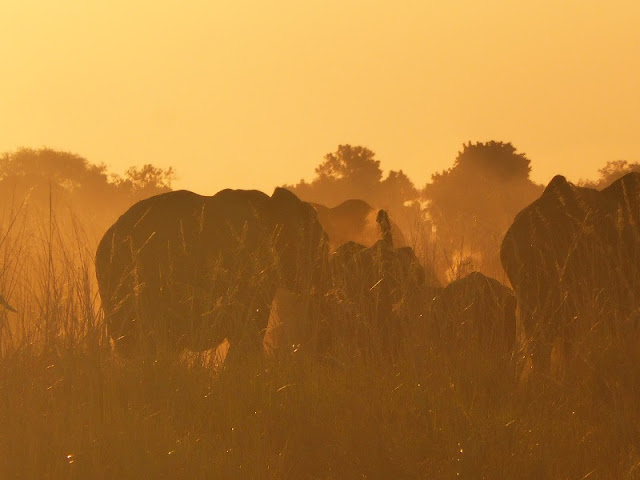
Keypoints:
(69, 408)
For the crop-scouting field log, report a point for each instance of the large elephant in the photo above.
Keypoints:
(185, 270)
(355, 221)
(375, 289)
(476, 310)
(573, 258)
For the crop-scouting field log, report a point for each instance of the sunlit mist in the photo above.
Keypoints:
(319, 240)
(251, 94)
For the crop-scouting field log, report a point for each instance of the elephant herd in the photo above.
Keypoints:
(180, 270)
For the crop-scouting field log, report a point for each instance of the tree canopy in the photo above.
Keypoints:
(612, 171)
(76, 187)
(496, 159)
(349, 172)
(349, 163)
(473, 203)
(73, 173)
(354, 172)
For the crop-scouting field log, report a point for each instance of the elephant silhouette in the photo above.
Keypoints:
(376, 288)
(181, 270)
(476, 310)
(573, 258)
(354, 220)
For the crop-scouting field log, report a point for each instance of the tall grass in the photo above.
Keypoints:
(70, 408)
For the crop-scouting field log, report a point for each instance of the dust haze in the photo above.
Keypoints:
(413, 340)
(281, 240)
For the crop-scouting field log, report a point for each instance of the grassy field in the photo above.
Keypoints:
(70, 408)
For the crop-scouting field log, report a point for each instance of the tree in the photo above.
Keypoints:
(47, 167)
(353, 172)
(608, 174)
(497, 160)
(350, 172)
(349, 163)
(54, 208)
(473, 203)
(146, 181)
(74, 187)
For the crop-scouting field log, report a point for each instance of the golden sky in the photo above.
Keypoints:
(251, 94)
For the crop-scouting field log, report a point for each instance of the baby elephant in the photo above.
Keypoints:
(374, 289)
(476, 311)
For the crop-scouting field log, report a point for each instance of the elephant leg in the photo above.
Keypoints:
(243, 352)
(246, 344)
(288, 326)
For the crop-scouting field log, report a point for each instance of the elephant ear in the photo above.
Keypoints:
(282, 195)
(301, 243)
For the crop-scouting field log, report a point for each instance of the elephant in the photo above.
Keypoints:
(181, 270)
(353, 220)
(356, 221)
(476, 310)
(375, 288)
(573, 257)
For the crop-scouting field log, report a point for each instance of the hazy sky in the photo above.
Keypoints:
(251, 94)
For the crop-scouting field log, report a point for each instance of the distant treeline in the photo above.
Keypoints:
(456, 221)
(36, 185)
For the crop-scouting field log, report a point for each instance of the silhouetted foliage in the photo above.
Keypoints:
(473, 203)
(353, 172)
(147, 180)
(74, 187)
(497, 160)
(351, 163)
(46, 168)
(611, 172)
